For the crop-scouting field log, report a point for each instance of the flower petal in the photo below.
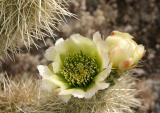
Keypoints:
(98, 86)
(51, 53)
(47, 83)
(103, 75)
(102, 50)
(74, 91)
(60, 48)
(44, 71)
(139, 52)
(80, 40)
(82, 43)
(59, 41)
(80, 93)
(50, 76)
(56, 66)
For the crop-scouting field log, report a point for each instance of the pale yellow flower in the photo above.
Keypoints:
(79, 67)
(124, 52)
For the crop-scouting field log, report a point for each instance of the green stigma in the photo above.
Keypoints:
(79, 69)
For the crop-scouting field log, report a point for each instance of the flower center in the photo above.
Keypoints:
(79, 69)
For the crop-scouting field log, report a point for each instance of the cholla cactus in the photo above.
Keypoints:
(24, 21)
(18, 95)
(75, 82)
(25, 96)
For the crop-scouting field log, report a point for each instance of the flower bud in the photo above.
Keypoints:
(124, 53)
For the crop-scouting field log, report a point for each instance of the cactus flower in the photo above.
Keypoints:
(79, 66)
(124, 53)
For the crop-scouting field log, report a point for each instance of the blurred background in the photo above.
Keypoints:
(140, 18)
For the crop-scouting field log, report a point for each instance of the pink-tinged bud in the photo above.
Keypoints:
(124, 52)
